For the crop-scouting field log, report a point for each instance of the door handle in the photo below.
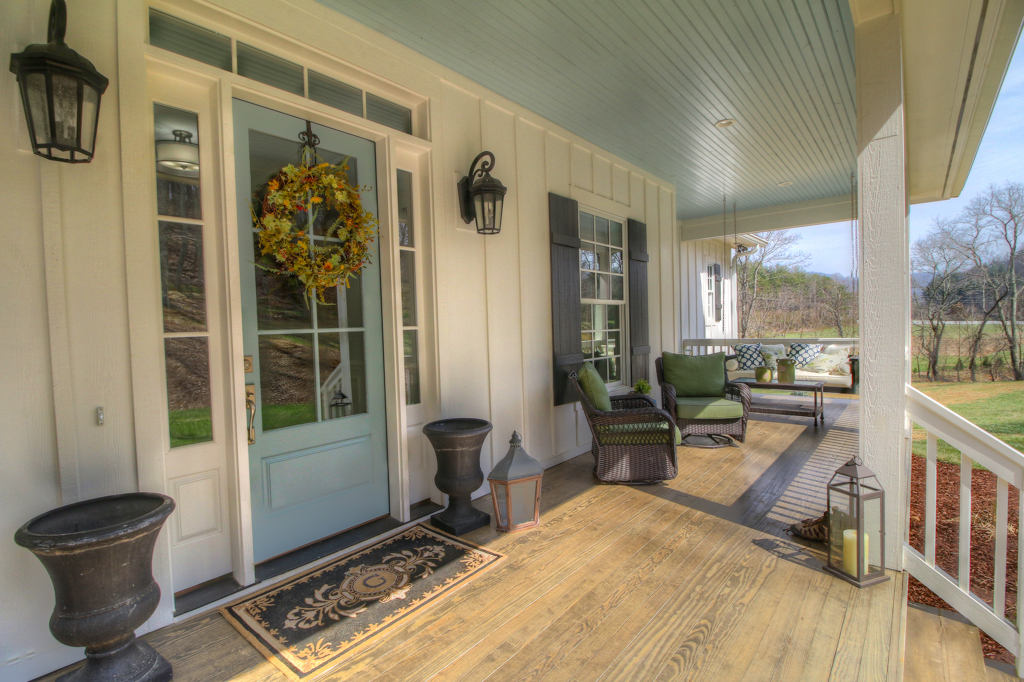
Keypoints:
(250, 408)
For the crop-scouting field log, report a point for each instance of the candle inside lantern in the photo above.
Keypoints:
(850, 551)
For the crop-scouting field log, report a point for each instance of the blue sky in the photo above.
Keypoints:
(1000, 158)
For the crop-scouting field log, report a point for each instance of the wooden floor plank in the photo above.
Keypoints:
(588, 594)
(693, 580)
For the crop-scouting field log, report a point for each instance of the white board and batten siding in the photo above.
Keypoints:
(494, 293)
(72, 298)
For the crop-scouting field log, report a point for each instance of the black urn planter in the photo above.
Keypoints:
(99, 554)
(457, 445)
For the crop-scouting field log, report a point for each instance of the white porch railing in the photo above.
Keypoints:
(975, 445)
(704, 346)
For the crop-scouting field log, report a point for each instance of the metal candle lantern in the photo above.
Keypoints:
(515, 488)
(481, 197)
(856, 525)
(60, 90)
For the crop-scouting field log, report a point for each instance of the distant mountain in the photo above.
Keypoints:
(845, 280)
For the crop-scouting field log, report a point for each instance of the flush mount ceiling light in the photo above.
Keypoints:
(180, 155)
(785, 183)
(725, 123)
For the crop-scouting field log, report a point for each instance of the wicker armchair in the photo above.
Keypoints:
(634, 442)
(716, 429)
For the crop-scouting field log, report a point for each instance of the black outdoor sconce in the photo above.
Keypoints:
(61, 92)
(483, 200)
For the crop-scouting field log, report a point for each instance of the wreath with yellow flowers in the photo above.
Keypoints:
(321, 191)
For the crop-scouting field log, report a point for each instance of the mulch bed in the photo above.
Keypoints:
(983, 503)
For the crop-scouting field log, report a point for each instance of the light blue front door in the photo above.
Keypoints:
(318, 465)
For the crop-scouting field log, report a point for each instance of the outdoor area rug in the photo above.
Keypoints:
(307, 624)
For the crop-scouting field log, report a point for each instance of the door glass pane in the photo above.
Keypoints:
(342, 374)
(346, 313)
(586, 226)
(182, 277)
(412, 368)
(280, 299)
(601, 230)
(406, 232)
(287, 380)
(176, 134)
(188, 390)
(407, 263)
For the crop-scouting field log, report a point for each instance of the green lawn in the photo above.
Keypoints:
(190, 426)
(997, 407)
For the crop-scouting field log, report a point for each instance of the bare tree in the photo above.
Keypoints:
(837, 303)
(993, 225)
(990, 232)
(938, 265)
(754, 269)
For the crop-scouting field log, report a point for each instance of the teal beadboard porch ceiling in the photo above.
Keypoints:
(647, 80)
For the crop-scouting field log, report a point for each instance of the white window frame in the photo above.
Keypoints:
(624, 373)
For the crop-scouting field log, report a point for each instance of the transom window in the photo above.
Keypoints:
(603, 294)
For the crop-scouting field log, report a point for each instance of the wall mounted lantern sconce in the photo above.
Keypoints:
(482, 200)
(180, 156)
(61, 92)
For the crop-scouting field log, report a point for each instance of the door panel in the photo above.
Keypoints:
(319, 462)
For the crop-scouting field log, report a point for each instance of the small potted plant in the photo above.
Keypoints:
(642, 386)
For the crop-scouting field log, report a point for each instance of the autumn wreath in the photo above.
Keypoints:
(320, 191)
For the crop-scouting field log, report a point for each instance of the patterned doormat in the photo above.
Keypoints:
(308, 624)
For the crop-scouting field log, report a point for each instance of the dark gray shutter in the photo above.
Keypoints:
(639, 323)
(564, 217)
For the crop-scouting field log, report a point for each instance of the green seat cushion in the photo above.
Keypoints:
(700, 376)
(640, 433)
(708, 408)
(593, 387)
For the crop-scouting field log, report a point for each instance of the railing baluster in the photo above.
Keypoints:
(999, 587)
(964, 573)
(930, 500)
(1020, 587)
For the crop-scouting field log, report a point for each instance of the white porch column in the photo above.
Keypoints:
(884, 267)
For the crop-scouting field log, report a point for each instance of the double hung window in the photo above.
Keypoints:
(603, 294)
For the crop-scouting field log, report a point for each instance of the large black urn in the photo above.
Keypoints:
(457, 445)
(99, 554)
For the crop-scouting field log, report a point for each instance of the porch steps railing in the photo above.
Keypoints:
(704, 346)
(975, 445)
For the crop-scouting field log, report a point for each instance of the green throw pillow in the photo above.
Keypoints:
(700, 376)
(593, 386)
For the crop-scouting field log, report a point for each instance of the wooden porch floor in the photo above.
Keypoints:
(693, 580)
